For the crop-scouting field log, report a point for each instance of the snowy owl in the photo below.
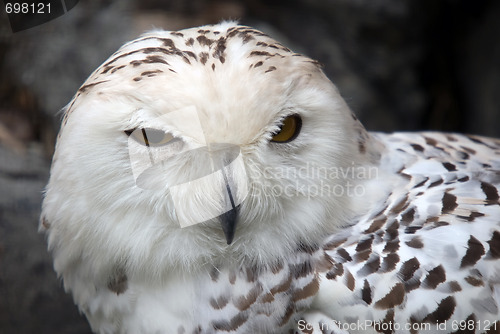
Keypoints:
(210, 180)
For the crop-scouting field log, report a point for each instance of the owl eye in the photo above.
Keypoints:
(150, 137)
(289, 130)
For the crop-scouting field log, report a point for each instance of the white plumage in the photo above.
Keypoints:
(211, 180)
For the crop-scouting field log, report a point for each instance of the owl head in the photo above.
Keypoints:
(201, 146)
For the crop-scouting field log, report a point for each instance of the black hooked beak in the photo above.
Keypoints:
(228, 219)
(228, 223)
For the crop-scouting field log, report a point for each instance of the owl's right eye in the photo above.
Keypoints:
(150, 137)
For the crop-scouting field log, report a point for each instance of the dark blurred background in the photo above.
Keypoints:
(400, 64)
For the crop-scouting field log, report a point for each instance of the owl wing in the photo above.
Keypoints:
(427, 257)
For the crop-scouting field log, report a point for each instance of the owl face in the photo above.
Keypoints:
(193, 146)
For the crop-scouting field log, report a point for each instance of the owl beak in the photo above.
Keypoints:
(229, 218)
(228, 223)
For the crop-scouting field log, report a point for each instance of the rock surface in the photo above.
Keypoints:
(32, 299)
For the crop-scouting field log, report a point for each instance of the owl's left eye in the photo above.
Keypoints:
(150, 137)
(289, 130)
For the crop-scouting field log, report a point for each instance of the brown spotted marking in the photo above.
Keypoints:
(123, 55)
(415, 242)
(151, 73)
(474, 281)
(270, 69)
(190, 54)
(149, 60)
(267, 298)
(491, 192)
(400, 205)
(391, 246)
(371, 266)
(219, 303)
(408, 269)
(454, 286)
(392, 231)
(494, 242)
(393, 298)
(344, 254)
(421, 183)
(260, 53)
(449, 203)
(204, 41)
(302, 269)
(389, 263)
(412, 229)
(366, 293)
(231, 325)
(117, 68)
(257, 64)
(244, 302)
(168, 43)
(220, 48)
(85, 88)
(417, 147)
(472, 216)
(412, 285)
(177, 33)
(363, 249)
(430, 141)
(475, 251)
(376, 225)
(106, 69)
(283, 286)
(407, 217)
(436, 183)
(443, 312)
(349, 280)
(307, 291)
(449, 166)
(434, 277)
(337, 270)
(203, 57)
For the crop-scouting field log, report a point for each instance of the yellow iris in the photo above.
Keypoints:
(289, 130)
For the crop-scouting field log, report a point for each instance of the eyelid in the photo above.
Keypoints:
(129, 132)
(151, 140)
